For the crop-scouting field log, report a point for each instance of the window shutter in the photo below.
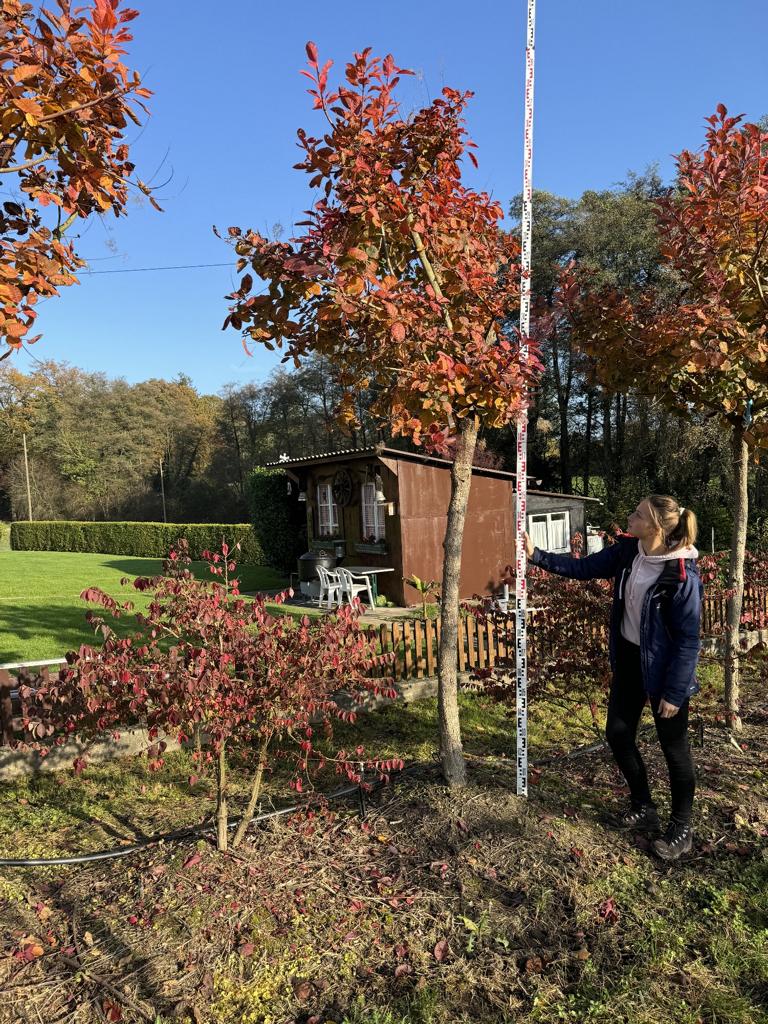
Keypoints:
(323, 512)
(328, 512)
(369, 513)
(372, 513)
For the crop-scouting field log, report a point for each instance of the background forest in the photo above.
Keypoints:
(95, 444)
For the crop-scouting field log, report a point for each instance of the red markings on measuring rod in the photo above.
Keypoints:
(521, 631)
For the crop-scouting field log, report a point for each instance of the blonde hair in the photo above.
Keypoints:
(677, 524)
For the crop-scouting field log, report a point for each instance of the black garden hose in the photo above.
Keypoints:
(177, 835)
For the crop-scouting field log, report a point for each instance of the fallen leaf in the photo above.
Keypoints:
(534, 965)
(302, 990)
(583, 953)
(42, 911)
(30, 948)
(608, 911)
(440, 952)
(191, 861)
(88, 939)
(112, 1010)
(403, 969)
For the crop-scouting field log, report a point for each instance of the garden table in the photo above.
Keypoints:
(369, 570)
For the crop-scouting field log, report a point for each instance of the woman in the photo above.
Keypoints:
(654, 646)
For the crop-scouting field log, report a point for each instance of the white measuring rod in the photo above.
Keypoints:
(521, 634)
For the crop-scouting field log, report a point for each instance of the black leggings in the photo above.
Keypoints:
(625, 706)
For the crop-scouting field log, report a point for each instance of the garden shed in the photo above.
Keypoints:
(387, 508)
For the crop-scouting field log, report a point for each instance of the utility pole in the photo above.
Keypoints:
(162, 489)
(26, 471)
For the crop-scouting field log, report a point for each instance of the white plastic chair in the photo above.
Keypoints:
(352, 585)
(330, 587)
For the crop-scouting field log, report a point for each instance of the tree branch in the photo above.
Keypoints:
(84, 106)
(25, 166)
(65, 226)
(421, 252)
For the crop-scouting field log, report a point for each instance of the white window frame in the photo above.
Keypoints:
(372, 513)
(327, 512)
(541, 525)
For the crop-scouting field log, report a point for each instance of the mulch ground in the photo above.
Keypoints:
(437, 907)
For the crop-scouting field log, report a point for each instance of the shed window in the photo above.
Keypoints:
(373, 514)
(551, 531)
(327, 512)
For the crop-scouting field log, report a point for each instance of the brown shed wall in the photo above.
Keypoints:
(424, 494)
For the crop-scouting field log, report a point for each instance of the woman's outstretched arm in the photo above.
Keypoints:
(602, 565)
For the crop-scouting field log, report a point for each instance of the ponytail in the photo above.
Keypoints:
(678, 525)
(684, 534)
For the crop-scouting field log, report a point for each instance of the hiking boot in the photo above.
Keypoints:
(643, 817)
(677, 840)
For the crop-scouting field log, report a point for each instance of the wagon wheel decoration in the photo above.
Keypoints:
(343, 488)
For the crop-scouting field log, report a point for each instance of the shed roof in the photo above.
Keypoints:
(350, 454)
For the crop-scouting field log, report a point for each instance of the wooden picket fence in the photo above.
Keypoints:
(483, 643)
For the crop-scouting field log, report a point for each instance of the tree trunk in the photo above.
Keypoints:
(736, 576)
(588, 443)
(221, 803)
(563, 389)
(610, 496)
(566, 480)
(242, 828)
(451, 753)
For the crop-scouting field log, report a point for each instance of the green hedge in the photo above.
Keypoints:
(279, 519)
(141, 540)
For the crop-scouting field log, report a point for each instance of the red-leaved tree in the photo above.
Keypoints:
(404, 280)
(708, 350)
(255, 684)
(66, 98)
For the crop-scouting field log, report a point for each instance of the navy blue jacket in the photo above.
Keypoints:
(669, 622)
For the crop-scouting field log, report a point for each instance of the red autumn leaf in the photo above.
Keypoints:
(311, 53)
(76, 104)
(608, 911)
(398, 332)
(190, 862)
(440, 952)
(30, 948)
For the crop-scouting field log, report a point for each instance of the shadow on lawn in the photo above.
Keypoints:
(26, 627)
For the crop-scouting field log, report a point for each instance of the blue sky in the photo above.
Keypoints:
(619, 85)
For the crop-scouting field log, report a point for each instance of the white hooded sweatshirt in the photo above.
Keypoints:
(646, 570)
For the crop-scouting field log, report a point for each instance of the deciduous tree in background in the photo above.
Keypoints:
(707, 351)
(404, 280)
(66, 98)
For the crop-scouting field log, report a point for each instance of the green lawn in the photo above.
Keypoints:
(41, 614)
